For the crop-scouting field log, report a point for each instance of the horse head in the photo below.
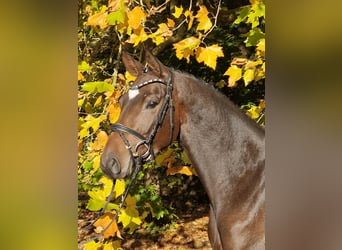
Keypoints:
(147, 122)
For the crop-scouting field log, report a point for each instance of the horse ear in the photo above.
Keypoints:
(132, 66)
(155, 65)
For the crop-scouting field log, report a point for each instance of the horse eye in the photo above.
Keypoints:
(151, 104)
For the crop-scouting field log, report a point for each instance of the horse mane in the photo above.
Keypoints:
(220, 95)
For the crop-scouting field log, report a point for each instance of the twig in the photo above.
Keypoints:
(215, 22)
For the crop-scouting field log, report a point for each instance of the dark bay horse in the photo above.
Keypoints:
(225, 146)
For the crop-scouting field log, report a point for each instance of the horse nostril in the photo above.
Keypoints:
(114, 165)
(110, 166)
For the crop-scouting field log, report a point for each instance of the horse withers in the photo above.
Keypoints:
(226, 147)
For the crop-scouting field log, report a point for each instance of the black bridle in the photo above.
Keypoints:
(147, 142)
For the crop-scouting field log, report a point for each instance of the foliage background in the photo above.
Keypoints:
(221, 42)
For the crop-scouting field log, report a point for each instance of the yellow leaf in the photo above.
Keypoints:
(92, 245)
(113, 245)
(119, 187)
(188, 14)
(96, 163)
(114, 110)
(203, 19)
(260, 49)
(162, 32)
(234, 73)
(254, 112)
(100, 141)
(186, 47)
(98, 101)
(138, 36)
(209, 55)
(248, 76)
(99, 19)
(178, 11)
(170, 23)
(136, 17)
(107, 185)
(103, 222)
(179, 170)
(80, 76)
(129, 77)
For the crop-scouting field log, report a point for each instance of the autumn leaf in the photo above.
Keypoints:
(178, 11)
(170, 23)
(100, 87)
(114, 112)
(248, 76)
(104, 221)
(234, 73)
(80, 76)
(92, 245)
(107, 185)
(97, 200)
(162, 32)
(188, 14)
(99, 19)
(260, 49)
(254, 112)
(136, 17)
(179, 170)
(129, 217)
(119, 187)
(83, 66)
(139, 35)
(186, 47)
(208, 55)
(204, 21)
(112, 245)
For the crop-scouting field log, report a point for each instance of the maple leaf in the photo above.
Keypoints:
(99, 19)
(138, 36)
(186, 47)
(136, 17)
(248, 76)
(129, 217)
(92, 245)
(159, 36)
(208, 55)
(107, 185)
(104, 221)
(234, 73)
(119, 187)
(260, 49)
(204, 21)
(114, 111)
(188, 14)
(113, 245)
(178, 11)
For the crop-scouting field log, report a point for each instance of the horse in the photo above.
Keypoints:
(225, 146)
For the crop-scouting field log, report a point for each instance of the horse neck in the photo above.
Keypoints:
(215, 134)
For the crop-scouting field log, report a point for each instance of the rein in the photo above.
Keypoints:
(148, 156)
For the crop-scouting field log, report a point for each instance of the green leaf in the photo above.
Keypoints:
(118, 16)
(97, 200)
(99, 87)
(254, 36)
(84, 66)
(242, 15)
